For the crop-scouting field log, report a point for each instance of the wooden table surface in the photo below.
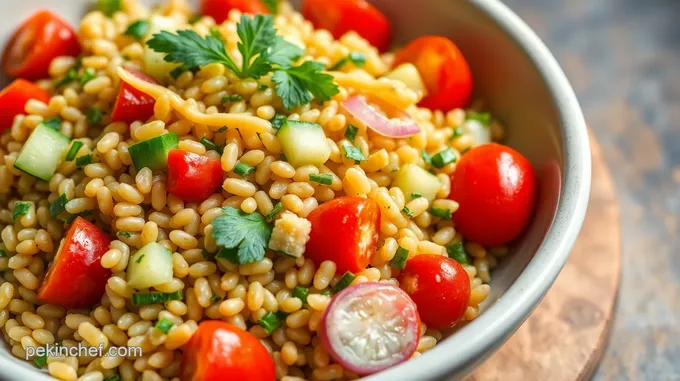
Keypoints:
(623, 59)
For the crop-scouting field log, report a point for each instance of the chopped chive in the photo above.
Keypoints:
(69, 77)
(232, 98)
(94, 116)
(243, 169)
(40, 361)
(84, 160)
(458, 131)
(88, 75)
(139, 260)
(356, 58)
(58, 206)
(353, 153)
(206, 255)
(230, 254)
(283, 157)
(143, 298)
(444, 214)
(3, 254)
(138, 29)
(262, 87)
(281, 315)
(73, 151)
(482, 117)
(426, 157)
(351, 132)
(71, 217)
(399, 259)
(275, 211)
(345, 281)
(457, 252)
(53, 123)
(327, 292)
(127, 235)
(215, 298)
(210, 146)
(115, 377)
(109, 7)
(164, 325)
(222, 129)
(20, 209)
(270, 322)
(278, 120)
(301, 293)
(323, 178)
(407, 212)
(416, 195)
(443, 158)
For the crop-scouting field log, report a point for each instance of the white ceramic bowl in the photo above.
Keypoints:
(524, 87)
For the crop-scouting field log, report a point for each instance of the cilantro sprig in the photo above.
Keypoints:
(244, 236)
(263, 52)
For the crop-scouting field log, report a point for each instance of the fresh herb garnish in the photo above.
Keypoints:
(327, 292)
(216, 33)
(94, 116)
(356, 58)
(399, 259)
(323, 178)
(277, 208)
(301, 293)
(278, 120)
(3, 254)
(210, 146)
(115, 377)
(482, 117)
(262, 87)
(84, 160)
(416, 195)
(73, 151)
(262, 52)
(194, 19)
(109, 7)
(426, 157)
(351, 132)
(138, 29)
(58, 206)
(53, 123)
(444, 214)
(457, 252)
(281, 315)
(353, 153)
(141, 257)
(243, 169)
(250, 233)
(458, 131)
(441, 159)
(20, 209)
(272, 5)
(407, 212)
(270, 322)
(87, 76)
(215, 298)
(69, 77)
(232, 98)
(128, 235)
(345, 281)
(230, 255)
(164, 325)
(40, 361)
(141, 298)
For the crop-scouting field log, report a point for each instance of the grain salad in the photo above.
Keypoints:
(247, 192)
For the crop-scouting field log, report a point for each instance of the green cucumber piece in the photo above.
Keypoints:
(42, 153)
(153, 153)
(414, 179)
(150, 266)
(303, 143)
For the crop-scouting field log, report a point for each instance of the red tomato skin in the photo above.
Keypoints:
(219, 351)
(342, 16)
(439, 286)
(14, 97)
(445, 72)
(132, 104)
(495, 187)
(75, 278)
(192, 177)
(219, 9)
(340, 228)
(34, 44)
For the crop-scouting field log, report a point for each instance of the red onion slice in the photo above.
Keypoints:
(370, 327)
(400, 127)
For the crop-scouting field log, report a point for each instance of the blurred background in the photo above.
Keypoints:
(623, 59)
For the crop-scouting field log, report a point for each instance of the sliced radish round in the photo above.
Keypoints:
(370, 327)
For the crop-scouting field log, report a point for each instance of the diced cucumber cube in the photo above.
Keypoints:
(303, 143)
(153, 153)
(414, 179)
(42, 153)
(150, 266)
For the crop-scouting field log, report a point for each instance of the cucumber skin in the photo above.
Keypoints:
(154, 268)
(153, 153)
(27, 161)
(297, 151)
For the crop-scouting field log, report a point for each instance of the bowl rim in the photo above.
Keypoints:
(461, 353)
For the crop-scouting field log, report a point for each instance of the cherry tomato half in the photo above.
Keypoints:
(496, 188)
(132, 104)
(192, 177)
(76, 278)
(342, 16)
(42, 37)
(220, 351)
(345, 231)
(14, 97)
(439, 286)
(444, 70)
(219, 9)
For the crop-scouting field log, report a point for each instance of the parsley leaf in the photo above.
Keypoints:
(138, 29)
(87, 76)
(354, 153)
(216, 33)
(20, 209)
(257, 34)
(94, 116)
(358, 59)
(58, 206)
(296, 85)
(272, 5)
(128, 235)
(70, 76)
(351, 132)
(232, 98)
(283, 53)
(249, 233)
(278, 120)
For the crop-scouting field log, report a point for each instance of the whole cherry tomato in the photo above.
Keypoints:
(219, 9)
(192, 177)
(439, 286)
(219, 351)
(495, 187)
(345, 231)
(132, 104)
(444, 70)
(76, 278)
(41, 38)
(342, 16)
(14, 97)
